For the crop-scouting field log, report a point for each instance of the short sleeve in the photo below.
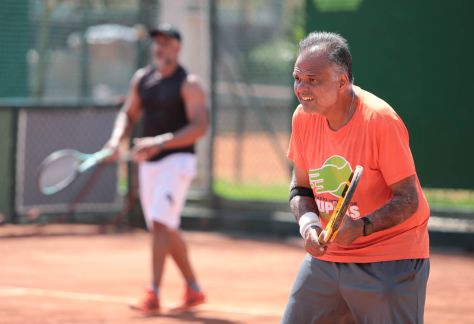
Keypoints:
(395, 158)
(295, 149)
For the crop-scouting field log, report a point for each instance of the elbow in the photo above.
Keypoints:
(129, 118)
(201, 130)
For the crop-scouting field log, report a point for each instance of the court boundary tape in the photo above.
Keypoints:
(10, 291)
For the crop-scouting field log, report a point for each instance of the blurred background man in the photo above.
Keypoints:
(173, 106)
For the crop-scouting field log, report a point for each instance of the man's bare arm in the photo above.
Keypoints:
(301, 205)
(129, 114)
(195, 103)
(403, 204)
(399, 208)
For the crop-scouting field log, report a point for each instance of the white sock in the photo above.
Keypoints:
(155, 289)
(194, 286)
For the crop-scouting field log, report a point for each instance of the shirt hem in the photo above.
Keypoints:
(370, 259)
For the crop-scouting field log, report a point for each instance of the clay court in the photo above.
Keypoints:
(71, 274)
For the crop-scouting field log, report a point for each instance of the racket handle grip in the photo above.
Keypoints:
(323, 237)
(105, 153)
(95, 159)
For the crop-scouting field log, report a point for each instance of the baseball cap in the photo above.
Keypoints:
(167, 30)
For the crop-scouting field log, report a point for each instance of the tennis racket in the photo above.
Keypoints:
(339, 212)
(59, 169)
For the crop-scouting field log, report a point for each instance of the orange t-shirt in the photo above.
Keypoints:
(377, 139)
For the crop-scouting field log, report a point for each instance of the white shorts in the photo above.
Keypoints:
(163, 188)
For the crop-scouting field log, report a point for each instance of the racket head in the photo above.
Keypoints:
(58, 170)
(339, 212)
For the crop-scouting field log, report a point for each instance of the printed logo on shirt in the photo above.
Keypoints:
(326, 207)
(330, 178)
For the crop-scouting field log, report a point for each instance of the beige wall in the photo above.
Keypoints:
(191, 17)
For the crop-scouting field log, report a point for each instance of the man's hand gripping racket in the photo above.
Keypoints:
(339, 212)
(59, 169)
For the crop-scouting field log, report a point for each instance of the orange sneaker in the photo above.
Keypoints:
(193, 298)
(148, 304)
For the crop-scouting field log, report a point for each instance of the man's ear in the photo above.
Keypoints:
(343, 80)
(178, 46)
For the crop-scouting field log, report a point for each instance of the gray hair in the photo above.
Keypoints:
(336, 48)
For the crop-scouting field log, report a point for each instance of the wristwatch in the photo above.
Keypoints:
(368, 226)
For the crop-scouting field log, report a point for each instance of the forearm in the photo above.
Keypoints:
(301, 205)
(301, 202)
(395, 211)
(187, 135)
(305, 211)
(306, 214)
(122, 128)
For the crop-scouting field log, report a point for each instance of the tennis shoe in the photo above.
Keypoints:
(148, 304)
(192, 298)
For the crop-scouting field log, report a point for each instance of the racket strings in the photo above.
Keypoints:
(58, 173)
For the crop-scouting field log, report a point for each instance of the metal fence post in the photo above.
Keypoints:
(213, 57)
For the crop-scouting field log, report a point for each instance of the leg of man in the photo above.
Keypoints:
(386, 292)
(181, 169)
(179, 253)
(193, 295)
(186, 171)
(315, 296)
(164, 185)
(160, 247)
(151, 180)
(156, 205)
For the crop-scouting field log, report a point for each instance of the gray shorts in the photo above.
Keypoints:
(379, 292)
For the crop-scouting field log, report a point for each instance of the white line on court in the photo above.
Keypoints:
(19, 291)
(8, 291)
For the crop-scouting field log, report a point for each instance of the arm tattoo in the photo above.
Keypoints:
(403, 204)
(301, 204)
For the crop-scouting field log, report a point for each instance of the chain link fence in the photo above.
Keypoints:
(65, 66)
(85, 49)
(84, 130)
(255, 51)
(77, 57)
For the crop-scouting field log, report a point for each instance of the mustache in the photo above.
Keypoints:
(164, 60)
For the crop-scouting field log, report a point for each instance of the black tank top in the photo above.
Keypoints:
(163, 106)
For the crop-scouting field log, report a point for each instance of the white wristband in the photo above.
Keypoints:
(308, 219)
(161, 139)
